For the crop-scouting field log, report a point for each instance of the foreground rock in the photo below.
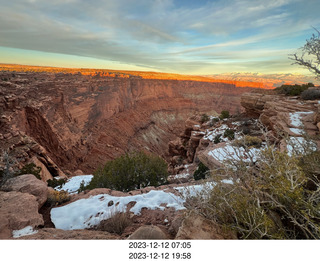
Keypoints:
(28, 184)
(197, 227)
(148, 232)
(17, 211)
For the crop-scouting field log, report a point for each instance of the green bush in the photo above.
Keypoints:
(130, 172)
(55, 182)
(229, 133)
(217, 139)
(213, 121)
(204, 118)
(293, 90)
(30, 168)
(224, 115)
(201, 171)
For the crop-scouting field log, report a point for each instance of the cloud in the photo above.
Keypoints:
(184, 36)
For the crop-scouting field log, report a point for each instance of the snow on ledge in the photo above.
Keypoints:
(85, 213)
(24, 232)
(297, 145)
(230, 152)
(295, 118)
(73, 184)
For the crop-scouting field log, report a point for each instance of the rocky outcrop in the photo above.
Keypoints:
(28, 184)
(182, 150)
(276, 112)
(17, 211)
(77, 121)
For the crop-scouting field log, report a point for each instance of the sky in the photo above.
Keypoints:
(179, 36)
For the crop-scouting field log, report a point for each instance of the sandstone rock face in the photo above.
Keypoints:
(74, 121)
(275, 112)
(197, 227)
(44, 173)
(28, 184)
(18, 210)
(208, 160)
(148, 232)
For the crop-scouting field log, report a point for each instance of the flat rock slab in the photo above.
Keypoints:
(17, 211)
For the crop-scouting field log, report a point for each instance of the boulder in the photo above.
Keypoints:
(28, 184)
(148, 232)
(78, 172)
(206, 158)
(197, 227)
(17, 211)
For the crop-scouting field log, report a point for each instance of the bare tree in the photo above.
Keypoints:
(6, 167)
(310, 55)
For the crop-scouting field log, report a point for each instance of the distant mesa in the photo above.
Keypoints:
(245, 82)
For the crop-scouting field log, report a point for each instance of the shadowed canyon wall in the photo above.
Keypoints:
(83, 120)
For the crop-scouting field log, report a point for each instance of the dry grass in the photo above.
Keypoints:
(56, 198)
(117, 223)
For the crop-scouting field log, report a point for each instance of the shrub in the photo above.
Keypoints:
(269, 200)
(293, 90)
(56, 198)
(224, 115)
(131, 171)
(217, 139)
(82, 187)
(204, 118)
(201, 171)
(30, 168)
(117, 223)
(229, 133)
(248, 141)
(55, 182)
(311, 94)
(245, 130)
(213, 121)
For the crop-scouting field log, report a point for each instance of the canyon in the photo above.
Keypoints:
(66, 120)
(70, 122)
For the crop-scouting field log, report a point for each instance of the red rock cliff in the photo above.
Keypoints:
(82, 120)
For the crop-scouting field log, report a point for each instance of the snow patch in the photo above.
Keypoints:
(210, 135)
(230, 152)
(295, 118)
(85, 213)
(297, 131)
(24, 232)
(297, 145)
(194, 190)
(73, 184)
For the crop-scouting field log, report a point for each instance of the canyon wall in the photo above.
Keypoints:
(80, 121)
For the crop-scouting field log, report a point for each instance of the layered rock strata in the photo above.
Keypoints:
(65, 121)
